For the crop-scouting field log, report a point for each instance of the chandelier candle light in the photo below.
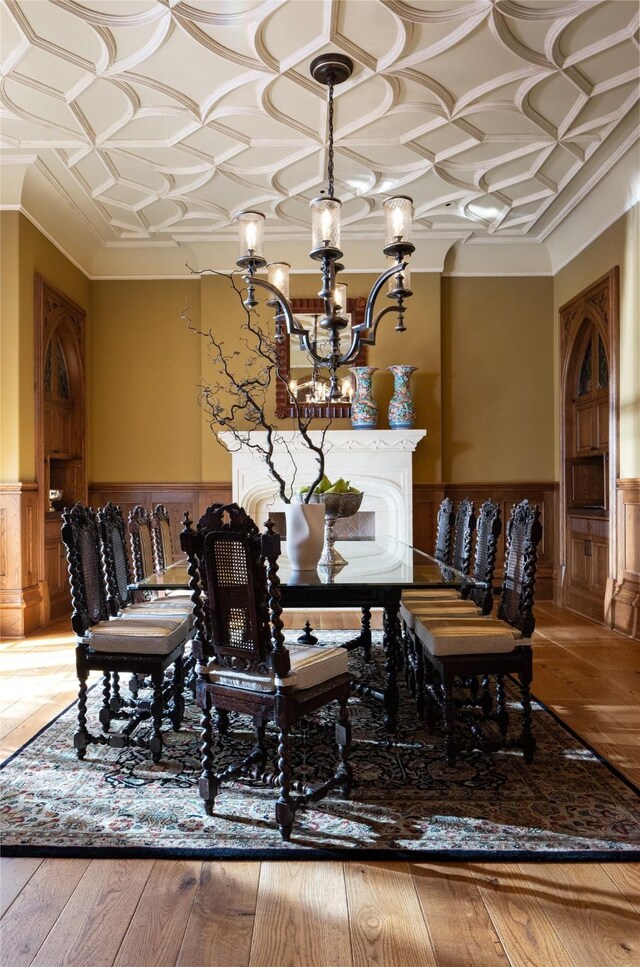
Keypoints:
(330, 69)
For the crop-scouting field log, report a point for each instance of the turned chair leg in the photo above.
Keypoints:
(222, 721)
(177, 708)
(155, 742)
(344, 775)
(285, 809)
(104, 716)
(81, 737)
(116, 702)
(259, 748)
(502, 715)
(527, 739)
(207, 783)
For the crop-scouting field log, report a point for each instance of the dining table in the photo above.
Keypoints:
(375, 575)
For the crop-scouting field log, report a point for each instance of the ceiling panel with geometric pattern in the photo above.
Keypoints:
(159, 119)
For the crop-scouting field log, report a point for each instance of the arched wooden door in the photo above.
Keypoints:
(60, 432)
(589, 429)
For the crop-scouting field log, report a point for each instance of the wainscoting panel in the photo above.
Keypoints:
(625, 604)
(427, 498)
(177, 498)
(21, 591)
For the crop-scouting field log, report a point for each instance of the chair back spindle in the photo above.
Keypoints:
(524, 532)
(161, 535)
(487, 533)
(445, 521)
(114, 553)
(85, 563)
(142, 555)
(465, 525)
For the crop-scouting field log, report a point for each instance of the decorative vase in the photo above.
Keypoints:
(305, 535)
(364, 410)
(402, 412)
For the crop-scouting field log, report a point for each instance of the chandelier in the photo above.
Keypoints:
(330, 69)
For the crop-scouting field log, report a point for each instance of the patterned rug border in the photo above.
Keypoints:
(354, 854)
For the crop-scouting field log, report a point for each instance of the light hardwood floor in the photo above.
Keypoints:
(145, 913)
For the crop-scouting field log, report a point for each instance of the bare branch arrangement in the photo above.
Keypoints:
(245, 381)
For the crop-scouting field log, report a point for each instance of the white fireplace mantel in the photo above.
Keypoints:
(378, 462)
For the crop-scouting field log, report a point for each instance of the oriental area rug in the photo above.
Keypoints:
(406, 803)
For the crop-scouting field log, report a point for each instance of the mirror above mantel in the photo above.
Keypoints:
(309, 384)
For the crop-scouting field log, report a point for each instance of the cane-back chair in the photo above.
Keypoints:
(251, 670)
(118, 578)
(463, 649)
(459, 558)
(145, 648)
(141, 541)
(477, 599)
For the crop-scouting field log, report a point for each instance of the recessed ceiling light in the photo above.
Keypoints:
(486, 212)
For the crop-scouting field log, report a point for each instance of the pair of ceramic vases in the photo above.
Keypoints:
(364, 409)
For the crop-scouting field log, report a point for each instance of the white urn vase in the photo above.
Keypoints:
(305, 535)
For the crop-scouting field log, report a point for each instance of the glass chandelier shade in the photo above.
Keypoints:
(278, 276)
(250, 234)
(325, 224)
(398, 213)
(344, 346)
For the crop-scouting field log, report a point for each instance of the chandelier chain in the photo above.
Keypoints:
(330, 162)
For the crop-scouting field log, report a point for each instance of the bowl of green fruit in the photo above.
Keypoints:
(340, 499)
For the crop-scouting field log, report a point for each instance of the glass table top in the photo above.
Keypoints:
(370, 563)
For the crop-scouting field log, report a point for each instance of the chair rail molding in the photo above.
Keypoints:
(378, 462)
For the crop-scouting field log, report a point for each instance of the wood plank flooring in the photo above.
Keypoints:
(145, 913)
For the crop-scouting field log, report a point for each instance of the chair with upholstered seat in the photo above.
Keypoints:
(251, 670)
(114, 645)
(477, 602)
(162, 544)
(459, 649)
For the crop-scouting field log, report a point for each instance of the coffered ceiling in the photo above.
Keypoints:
(145, 125)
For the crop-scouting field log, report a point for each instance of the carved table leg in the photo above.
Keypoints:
(344, 775)
(449, 720)
(363, 638)
(390, 642)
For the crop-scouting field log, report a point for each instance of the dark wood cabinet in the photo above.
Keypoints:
(588, 564)
(588, 329)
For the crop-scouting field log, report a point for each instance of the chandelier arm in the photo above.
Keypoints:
(365, 340)
(293, 329)
(367, 322)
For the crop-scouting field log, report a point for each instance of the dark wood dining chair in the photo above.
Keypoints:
(141, 541)
(118, 578)
(460, 650)
(477, 601)
(252, 671)
(114, 645)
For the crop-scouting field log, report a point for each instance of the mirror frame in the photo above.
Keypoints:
(329, 411)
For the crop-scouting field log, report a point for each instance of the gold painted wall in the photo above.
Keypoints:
(144, 367)
(619, 245)
(497, 377)
(26, 251)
